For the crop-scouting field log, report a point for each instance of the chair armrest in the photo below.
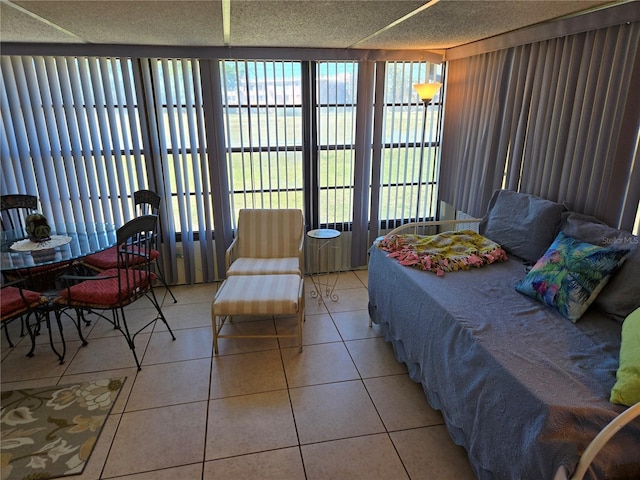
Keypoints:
(603, 437)
(230, 254)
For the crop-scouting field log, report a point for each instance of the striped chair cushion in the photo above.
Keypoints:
(106, 292)
(265, 266)
(258, 295)
(12, 303)
(108, 258)
(269, 233)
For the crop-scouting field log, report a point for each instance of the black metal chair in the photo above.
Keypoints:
(17, 302)
(14, 209)
(113, 289)
(146, 202)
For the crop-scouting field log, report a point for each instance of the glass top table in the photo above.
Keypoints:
(69, 241)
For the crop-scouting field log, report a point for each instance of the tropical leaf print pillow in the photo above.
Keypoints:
(571, 273)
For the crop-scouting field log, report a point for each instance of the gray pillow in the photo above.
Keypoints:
(621, 295)
(524, 225)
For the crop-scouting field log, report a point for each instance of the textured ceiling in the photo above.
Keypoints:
(371, 24)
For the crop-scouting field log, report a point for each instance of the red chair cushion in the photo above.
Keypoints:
(109, 258)
(104, 260)
(106, 292)
(12, 303)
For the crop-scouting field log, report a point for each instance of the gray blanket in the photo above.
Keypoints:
(521, 388)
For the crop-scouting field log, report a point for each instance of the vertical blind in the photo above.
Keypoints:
(84, 133)
(548, 119)
(70, 135)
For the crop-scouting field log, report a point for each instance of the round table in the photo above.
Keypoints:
(323, 238)
(69, 241)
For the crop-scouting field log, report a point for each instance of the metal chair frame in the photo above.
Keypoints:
(133, 278)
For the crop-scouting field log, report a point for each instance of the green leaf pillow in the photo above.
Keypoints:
(626, 390)
(571, 273)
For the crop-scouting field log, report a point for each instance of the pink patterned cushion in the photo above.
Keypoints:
(106, 292)
(109, 258)
(12, 303)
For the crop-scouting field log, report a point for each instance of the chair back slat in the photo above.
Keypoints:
(135, 242)
(146, 202)
(269, 233)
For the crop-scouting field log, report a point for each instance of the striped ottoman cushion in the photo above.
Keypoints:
(265, 266)
(258, 295)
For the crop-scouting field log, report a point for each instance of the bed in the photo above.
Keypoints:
(521, 388)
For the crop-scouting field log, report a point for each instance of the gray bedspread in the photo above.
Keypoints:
(521, 388)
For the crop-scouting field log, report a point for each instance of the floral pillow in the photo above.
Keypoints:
(571, 273)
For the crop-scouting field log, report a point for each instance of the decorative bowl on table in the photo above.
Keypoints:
(37, 228)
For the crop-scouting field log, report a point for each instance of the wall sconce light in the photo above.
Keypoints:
(426, 91)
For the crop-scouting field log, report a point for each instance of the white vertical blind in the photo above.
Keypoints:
(67, 124)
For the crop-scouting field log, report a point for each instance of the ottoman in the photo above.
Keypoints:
(258, 295)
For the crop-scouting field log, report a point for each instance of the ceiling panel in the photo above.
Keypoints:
(275, 23)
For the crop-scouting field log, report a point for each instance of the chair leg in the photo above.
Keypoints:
(160, 274)
(6, 332)
(32, 335)
(126, 333)
(79, 319)
(53, 347)
(161, 316)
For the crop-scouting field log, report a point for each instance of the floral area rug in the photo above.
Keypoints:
(51, 431)
(444, 252)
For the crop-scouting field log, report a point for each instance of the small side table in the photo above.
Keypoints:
(323, 238)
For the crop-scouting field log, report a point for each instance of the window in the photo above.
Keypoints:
(263, 126)
(410, 146)
(336, 122)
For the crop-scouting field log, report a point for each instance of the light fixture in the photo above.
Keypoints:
(426, 91)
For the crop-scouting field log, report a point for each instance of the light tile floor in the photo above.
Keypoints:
(344, 408)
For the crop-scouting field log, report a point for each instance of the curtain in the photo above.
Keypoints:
(557, 119)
